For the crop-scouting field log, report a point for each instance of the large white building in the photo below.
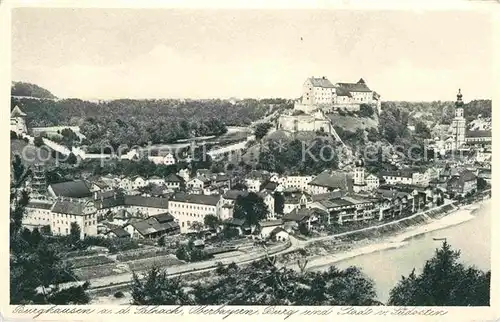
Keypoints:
(60, 214)
(320, 92)
(188, 208)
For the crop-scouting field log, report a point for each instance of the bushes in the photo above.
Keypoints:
(38, 141)
(189, 253)
(119, 295)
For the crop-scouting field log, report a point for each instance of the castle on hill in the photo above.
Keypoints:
(320, 97)
(319, 92)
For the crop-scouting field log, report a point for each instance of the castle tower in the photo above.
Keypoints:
(38, 182)
(458, 124)
(359, 175)
(18, 121)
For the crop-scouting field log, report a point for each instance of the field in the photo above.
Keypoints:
(29, 153)
(145, 264)
(91, 272)
(79, 262)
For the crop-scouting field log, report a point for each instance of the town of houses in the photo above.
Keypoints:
(120, 207)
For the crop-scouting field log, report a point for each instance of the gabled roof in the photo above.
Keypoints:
(152, 226)
(270, 223)
(69, 207)
(333, 180)
(173, 178)
(360, 86)
(321, 82)
(72, 189)
(292, 198)
(269, 185)
(151, 202)
(16, 111)
(210, 200)
(163, 217)
(119, 232)
(278, 230)
(301, 214)
(340, 91)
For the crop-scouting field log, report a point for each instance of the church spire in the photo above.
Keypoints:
(459, 103)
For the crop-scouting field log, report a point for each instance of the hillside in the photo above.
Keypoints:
(29, 153)
(30, 90)
(138, 122)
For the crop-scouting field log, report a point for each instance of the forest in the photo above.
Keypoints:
(138, 122)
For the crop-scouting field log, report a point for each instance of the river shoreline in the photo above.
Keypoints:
(400, 239)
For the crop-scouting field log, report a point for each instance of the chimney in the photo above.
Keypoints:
(324, 77)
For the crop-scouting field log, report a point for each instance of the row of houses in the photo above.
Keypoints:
(206, 194)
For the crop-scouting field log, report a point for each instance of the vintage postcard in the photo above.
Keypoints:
(231, 162)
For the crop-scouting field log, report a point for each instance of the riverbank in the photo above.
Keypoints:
(394, 241)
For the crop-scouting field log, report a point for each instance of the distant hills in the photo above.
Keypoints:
(30, 90)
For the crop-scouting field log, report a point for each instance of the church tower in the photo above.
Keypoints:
(359, 176)
(17, 121)
(458, 124)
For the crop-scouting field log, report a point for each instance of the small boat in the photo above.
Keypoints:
(439, 238)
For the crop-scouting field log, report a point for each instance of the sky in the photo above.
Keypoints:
(181, 53)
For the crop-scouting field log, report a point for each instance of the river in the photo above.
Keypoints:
(386, 267)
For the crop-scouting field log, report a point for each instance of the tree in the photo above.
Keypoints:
(262, 129)
(161, 241)
(38, 141)
(13, 135)
(74, 232)
(482, 184)
(279, 202)
(250, 208)
(422, 130)
(155, 288)
(366, 110)
(263, 283)
(212, 221)
(196, 226)
(36, 269)
(72, 159)
(444, 281)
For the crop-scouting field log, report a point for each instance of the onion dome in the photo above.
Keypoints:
(359, 163)
(459, 103)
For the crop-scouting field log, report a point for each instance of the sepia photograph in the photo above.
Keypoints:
(231, 157)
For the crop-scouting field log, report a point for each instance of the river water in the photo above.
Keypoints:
(386, 267)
